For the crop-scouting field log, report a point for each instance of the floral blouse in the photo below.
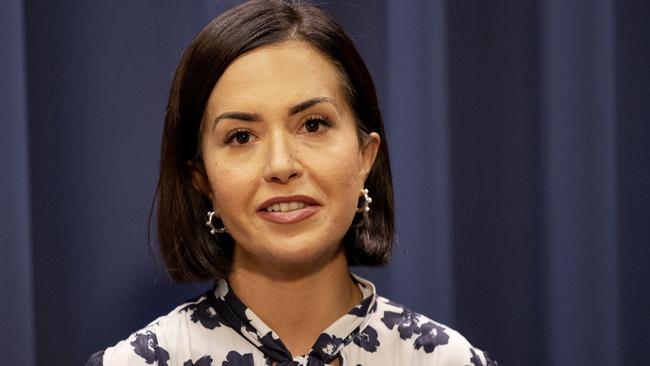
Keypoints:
(217, 329)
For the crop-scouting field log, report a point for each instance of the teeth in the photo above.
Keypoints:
(286, 206)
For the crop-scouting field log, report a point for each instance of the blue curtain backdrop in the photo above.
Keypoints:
(519, 134)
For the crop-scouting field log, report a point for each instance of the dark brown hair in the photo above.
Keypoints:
(189, 251)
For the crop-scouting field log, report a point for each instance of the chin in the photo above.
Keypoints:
(296, 251)
(300, 252)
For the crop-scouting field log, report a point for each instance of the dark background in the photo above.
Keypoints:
(519, 134)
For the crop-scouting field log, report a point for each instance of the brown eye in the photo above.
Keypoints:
(239, 137)
(316, 125)
(242, 137)
(312, 125)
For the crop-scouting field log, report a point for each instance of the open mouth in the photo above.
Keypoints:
(287, 210)
(287, 206)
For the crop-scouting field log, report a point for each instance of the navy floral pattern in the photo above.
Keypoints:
(431, 336)
(236, 359)
(476, 360)
(273, 347)
(326, 345)
(203, 361)
(217, 329)
(146, 346)
(367, 339)
(488, 360)
(361, 309)
(406, 321)
(204, 312)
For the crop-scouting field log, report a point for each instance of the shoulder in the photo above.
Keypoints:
(422, 340)
(166, 340)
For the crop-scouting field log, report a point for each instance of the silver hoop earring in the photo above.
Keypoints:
(214, 230)
(365, 207)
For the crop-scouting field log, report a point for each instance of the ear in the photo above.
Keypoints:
(369, 149)
(200, 178)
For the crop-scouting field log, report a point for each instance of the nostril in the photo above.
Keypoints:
(284, 179)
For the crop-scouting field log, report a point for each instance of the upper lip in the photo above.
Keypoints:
(279, 199)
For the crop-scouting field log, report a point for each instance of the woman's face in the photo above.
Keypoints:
(282, 162)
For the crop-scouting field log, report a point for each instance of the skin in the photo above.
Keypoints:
(281, 271)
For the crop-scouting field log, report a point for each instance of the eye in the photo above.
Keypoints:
(238, 137)
(316, 124)
(312, 125)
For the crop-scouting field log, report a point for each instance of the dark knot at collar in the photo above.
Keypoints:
(234, 314)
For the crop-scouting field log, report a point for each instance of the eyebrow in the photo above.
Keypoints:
(310, 103)
(300, 107)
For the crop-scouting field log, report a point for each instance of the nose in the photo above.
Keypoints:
(282, 165)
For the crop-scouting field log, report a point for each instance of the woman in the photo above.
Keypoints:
(273, 144)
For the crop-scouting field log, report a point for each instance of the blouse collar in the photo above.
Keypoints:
(328, 345)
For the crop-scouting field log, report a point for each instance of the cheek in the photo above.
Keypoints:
(229, 182)
(339, 174)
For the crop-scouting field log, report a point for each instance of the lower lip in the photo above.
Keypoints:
(289, 217)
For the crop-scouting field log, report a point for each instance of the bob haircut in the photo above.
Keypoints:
(188, 250)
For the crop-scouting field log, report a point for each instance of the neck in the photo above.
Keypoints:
(297, 303)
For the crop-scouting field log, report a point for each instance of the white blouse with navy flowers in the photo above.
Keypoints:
(217, 329)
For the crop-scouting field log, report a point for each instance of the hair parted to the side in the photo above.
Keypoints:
(188, 250)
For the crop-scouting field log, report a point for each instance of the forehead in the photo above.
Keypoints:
(276, 76)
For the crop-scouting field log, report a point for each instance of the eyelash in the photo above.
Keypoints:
(323, 121)
(230, 137)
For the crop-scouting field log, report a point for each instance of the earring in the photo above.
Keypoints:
(365, 207)
(214, 230)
